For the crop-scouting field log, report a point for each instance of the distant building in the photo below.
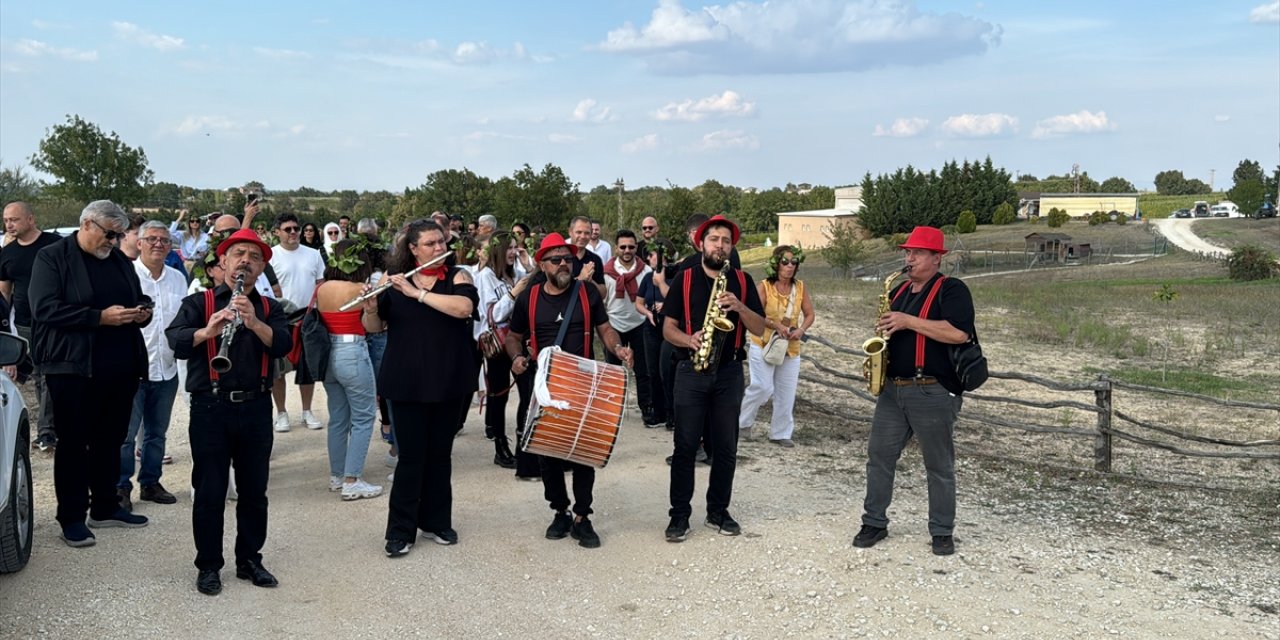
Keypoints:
(1079, 205)
(809, 228)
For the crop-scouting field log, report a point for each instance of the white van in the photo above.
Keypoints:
(1225, 209)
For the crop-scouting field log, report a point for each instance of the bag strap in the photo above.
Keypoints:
(742, 291)
(924, 314)
(586, 325)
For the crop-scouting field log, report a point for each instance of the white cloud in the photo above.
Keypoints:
(435, 55)
(196, 125)
(974, 125)
(728, 103)
(281, 54)
(1221, 118)
(36, 48)
(473, 53)
(726, 139)
(1079, 122)
(1268, 13)
(588, 110)
(138, 35)
(562, 138)
(647, 142)
(902, 128)
(788, 36)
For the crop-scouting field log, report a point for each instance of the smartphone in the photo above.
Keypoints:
(251, 198)
(146, 304)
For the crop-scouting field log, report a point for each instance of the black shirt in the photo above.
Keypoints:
(16, 261)
(430, 355)
(246, 349)
(699, 293)
(113, 346)
(953, 304)
(551, 311)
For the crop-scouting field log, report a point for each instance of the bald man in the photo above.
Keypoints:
(16, 260)
(267, 284)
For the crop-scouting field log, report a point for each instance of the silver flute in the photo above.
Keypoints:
(373, 293)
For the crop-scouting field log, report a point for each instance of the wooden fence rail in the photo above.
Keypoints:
(1103, 407)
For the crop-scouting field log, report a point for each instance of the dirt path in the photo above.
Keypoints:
(1179, 231)
(1017, 573)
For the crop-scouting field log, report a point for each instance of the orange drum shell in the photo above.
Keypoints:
(586, 432)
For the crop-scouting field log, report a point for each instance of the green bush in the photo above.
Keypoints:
(1122, 217)
(949, 229)
(1057, 217)
(1004, 214)
(1098, 217)
(1251, 262)
(897, 239)
(967, 222)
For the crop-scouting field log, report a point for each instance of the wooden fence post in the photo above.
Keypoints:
(1102, 442)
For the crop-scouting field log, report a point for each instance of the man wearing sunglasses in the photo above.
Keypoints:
(86, 304)
(299, 268)
(267, 284)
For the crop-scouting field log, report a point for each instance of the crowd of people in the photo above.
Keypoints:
(409, 328)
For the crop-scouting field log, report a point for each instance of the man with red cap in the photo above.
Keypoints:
(921, 397)
(538, 314)
(708, 400)
(231, 409)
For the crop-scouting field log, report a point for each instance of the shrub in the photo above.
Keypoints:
(1057, 217)
(949, 229)
(897, 240)
(1098, 217)
(1251, 262)
(1121, 217)
(967, 222)
(844, 248)
(1004, 214)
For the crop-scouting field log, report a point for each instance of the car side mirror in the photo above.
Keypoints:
(12, 349)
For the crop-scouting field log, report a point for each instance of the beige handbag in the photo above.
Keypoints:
(775, 350)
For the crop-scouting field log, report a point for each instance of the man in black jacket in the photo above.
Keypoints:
(88, 309)
(231, 409)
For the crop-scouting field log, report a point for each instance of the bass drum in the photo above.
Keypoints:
(577, 409)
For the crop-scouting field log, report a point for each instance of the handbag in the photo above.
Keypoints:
(775, 350)
(315, 341)
(970, 364)
(492, 341)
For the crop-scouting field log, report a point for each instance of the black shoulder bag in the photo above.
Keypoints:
(969, 363)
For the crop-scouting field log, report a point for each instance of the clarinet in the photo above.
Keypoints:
(221, 362)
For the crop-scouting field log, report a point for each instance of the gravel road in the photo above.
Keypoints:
(792, 573)
(1180, 233)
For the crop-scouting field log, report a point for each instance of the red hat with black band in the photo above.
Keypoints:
(553, 241)
(245, 235)
(718, 221)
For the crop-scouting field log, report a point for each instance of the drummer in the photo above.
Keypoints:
(539, 314)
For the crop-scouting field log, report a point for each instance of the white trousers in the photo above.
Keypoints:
(770, 382)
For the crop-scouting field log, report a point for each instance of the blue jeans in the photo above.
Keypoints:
(152, 406)
(353, 406)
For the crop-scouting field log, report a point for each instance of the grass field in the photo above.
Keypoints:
(1234, 232)
(1154, 205)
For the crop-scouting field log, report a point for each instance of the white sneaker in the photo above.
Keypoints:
(391, 461)
(312, 421)
(391, 477)
(360, 489)
(335, 483)
(282, 422)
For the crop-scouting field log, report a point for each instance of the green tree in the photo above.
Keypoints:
(1196, 186)
(1248, 171)
(1171, 183)
(1057, 217)
(15, 184)
(91, 165)
(967, 222)
(845, 249)
(1248, 195)
(1116, 184)
(1251, 262)
(347, 200)
(1004, 214)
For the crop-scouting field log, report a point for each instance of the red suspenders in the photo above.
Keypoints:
(533, 320)
(688, 323)
(924, 313)
(212, 349)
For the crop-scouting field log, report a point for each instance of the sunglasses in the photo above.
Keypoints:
(557, 260)
(648, 228)
(163, 242)
(333, 233)
(289, 229)
(629, 247)
(112, 236)
(788, 261)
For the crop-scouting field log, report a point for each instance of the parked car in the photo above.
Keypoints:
(1219, 211)
(1182, 213)
(17, 509)
(1267, 210)
(1200, 209)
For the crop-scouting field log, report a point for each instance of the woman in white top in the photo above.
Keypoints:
(332, 235)
(495, 279)
(191, 242)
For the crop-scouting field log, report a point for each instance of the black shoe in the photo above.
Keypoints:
(585, 534)
(669, 460)
(724, 523)
(120, 518)
(444, 536)
(943, 546)
(671, 426)
(253, 570)
(502, 455)
(560, 526)
(78, 535)
(47, 444)
(702, 456)
(868, 536)
(157, 494)
(209, 582)
(396, 548)
(678, 530)
(126, 501)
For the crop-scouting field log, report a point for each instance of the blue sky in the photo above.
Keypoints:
(376, 95)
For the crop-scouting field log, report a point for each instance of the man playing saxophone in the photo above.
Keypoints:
(231, 409)
(707, 309)
(921, 394)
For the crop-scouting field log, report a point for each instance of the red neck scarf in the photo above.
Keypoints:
(438, 272)
(626, 281)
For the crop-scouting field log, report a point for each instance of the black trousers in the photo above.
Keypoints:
(553, 485)
(497, 377)
(635, 339)
(223, 434)
(658, 401)
(93, 418)
(667, 368)
(527, 465)
(710, 402)
(422, 492)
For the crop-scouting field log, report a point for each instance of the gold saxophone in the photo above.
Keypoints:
(876, 366)
(714, 324)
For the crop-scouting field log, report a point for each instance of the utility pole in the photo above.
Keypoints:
(621, 186)
(1075, 177)
(1211, 172)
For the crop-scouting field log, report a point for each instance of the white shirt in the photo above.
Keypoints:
(493, 292)
(601, 248)
(298, 271)
(190, 247)
(167, 291)
(623, 314)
